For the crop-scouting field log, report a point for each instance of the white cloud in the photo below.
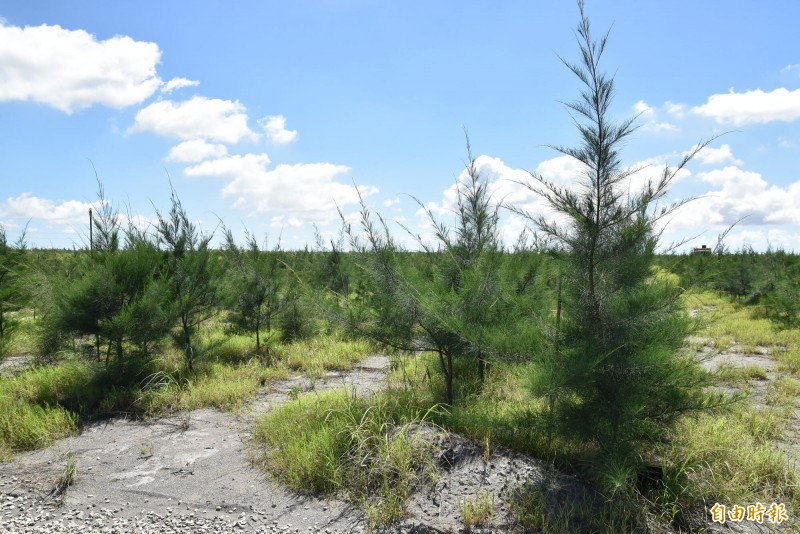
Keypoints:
(676, 110)
(72, 70)
(648, 113)
(659, 127)
(737, 194)
(300, 193)
(752, 107)
(195, 151)
(391, 202)
(281, 221)
(275, 126)
(785, 142)
(723, 154)
(30, 207)
(505, 186)
(562, 170)
(777, 238)
(197, 118)
(178, 83)
(791, 69)
(643, 109)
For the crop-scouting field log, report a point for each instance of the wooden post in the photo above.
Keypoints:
(91, 226)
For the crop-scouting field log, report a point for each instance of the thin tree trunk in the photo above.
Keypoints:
(447, 371)
(108, 352)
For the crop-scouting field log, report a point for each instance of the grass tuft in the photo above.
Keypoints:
(477, 511)
(374, 451)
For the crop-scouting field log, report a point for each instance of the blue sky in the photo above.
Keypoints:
(263, 114)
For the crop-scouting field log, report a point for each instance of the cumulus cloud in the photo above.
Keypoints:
(275, 126)
(777, 238)
(505, 185)
(31, 207)
(643, 109)
(752, 107)
(676, 110)
(72, 70)
(299, 193)
(195, 151)
(197, 118)
(651, 123)
(739, 194)
(178, 83)
(723, 154)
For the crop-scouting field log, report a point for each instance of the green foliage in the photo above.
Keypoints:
(294, 323)
(257, 289)
(116, 293)
(191, 270)
(320, 354)
(477, 511)
(32, 411)
(373, 450)
(614, 376)
(12, 293)
(455, 299)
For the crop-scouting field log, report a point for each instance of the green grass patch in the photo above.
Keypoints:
(784, 391)
(478, 510)
(789, 360)
(323, 353)
(727, 322)
(372, 450)
(42, 404)
(502, 411)
(730, 457)
(32, 412)
(218, 385)
(735, 375)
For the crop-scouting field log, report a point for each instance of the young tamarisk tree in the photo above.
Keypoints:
(191, 272)
(257, 291)
(12, 294)
(117, 295)
(445, 299)
(615, 368)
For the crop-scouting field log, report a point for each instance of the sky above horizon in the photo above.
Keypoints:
(267, 115)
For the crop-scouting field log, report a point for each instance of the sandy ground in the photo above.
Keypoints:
(193, 471)
(191, 464)
(190, 473)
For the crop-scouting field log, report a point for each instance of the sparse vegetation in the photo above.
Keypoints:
(478, 510)
(578, 346)
(375, 451)
(67, 477)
